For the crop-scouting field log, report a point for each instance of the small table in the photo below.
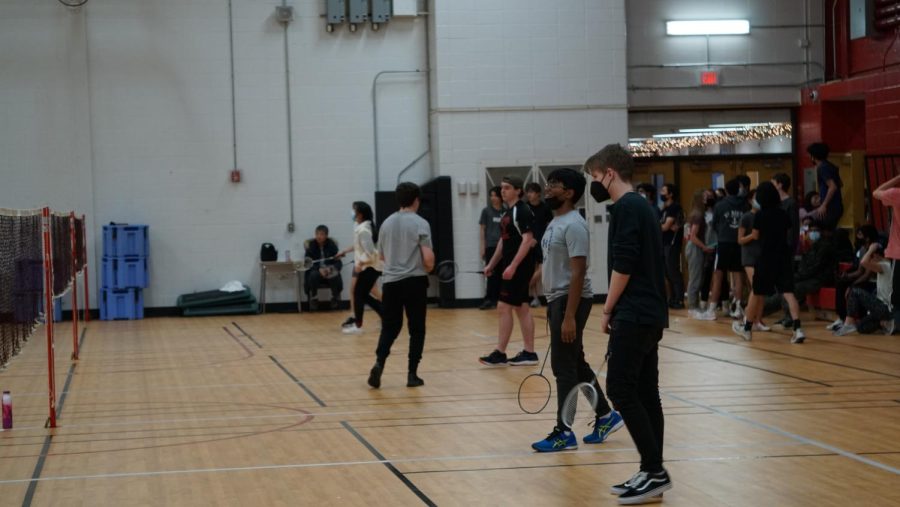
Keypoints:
(280, 267)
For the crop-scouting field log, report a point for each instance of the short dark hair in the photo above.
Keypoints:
(533, 187)
(869, 232)
(571, 180)
(648, 188)
(818, 151)
(672, 189)
(322, 228)
(363, 209)
(407, 193)
(784, 180)
(733, 187)
(744, 180)
(612, 156)
(495, 191)
(767, 195)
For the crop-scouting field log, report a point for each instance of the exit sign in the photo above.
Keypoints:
(709, 78)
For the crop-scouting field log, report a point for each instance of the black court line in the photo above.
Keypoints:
(248, 335)
(298, 382)
(39, 466)
(746, 366)
(390, 466)
(866, 370)
(235, 338)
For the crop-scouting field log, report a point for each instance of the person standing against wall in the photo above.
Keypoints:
(489, 224)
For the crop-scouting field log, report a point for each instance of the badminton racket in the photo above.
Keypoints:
(534, 391)
(586, 391)
(446, 271)
(308, 262)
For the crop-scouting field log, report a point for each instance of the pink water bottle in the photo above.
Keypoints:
(7, 410)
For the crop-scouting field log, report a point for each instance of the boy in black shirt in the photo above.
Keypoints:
(634, 315)
(672, 221)
(773, 272)
(513, 257)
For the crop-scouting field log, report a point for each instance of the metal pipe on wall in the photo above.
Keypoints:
(290, 136)
(375, 118)
(234, 164)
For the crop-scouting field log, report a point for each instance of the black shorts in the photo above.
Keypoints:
(515, 292)
(771, 277)
(728, 257)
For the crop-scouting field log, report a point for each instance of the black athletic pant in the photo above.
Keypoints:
(408, 294)
(362, 294)
(567, 359)
(840, 296)
(673, 274)
(493, 282)
(709, 267)
(632, 382)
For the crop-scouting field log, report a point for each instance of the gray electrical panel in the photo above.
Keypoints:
(335, 11)
(359, 11)
(381, 11)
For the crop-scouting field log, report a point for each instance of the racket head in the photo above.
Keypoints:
(585, 392)
(305, 264)
(446, 271)
(534, 393)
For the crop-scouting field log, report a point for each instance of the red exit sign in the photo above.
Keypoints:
(709, 78)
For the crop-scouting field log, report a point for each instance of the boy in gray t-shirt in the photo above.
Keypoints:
(405, 244)
(566, 246)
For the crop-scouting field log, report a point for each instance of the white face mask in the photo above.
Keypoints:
(353, 215)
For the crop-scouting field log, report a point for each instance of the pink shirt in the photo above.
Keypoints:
(892, 198)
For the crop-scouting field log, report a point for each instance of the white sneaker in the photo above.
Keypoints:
(799, 336)
(738, 328)
(834, 326)
(352, 330)
(708, 314)
(845, 330)
(737, 312)
(761, 327)
(889, 326)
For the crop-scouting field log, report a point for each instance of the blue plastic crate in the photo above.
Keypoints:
(124, 272)
(125, 240)
(125, 304)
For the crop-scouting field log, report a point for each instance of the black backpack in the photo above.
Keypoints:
(267, 253)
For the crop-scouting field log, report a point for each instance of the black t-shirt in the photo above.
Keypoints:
(828, 171)
(511, 233)
(672, 236)
(773, 225)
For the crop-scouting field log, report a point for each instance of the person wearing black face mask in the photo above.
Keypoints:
(567, 285)
(672, 222)
(634, 315)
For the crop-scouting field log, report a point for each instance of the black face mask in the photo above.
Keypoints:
(599, 192)
(554, 202)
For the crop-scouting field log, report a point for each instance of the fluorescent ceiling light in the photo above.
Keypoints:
(708, 27)
(742, 125)
(715, 129)
(675, 135)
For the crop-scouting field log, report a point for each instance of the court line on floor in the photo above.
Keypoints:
(298, 382)
(390, 466)
(248, 335)
(832, 363)
(728, 361)
(39, 466)
(779, 431)
(476, 457)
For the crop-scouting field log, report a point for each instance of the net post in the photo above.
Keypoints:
(84, 267)
(74, 286)
(48, 312)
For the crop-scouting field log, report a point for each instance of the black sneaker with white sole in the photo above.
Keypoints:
(495, 358)
(646, 487)
(623, 487)
(524, 358)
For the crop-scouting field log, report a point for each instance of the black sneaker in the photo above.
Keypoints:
(623, 487)
(524, 358)
(495, 358)
(351, 321)
(375, 375)
(413, 380)
(646, 487)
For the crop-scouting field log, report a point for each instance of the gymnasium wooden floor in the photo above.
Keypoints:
(274, 410)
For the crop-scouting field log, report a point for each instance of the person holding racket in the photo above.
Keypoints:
(634, 315)
(367, 267)
(405, 244)
(513, 256)
(566, 245)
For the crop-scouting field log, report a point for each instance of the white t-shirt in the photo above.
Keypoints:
(884, 283)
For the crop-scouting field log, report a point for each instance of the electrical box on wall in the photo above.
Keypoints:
(359, 11)
(381, 11)
(335, 13)
(405, 8)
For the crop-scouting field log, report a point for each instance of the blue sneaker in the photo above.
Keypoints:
(557, 440)
(603, 426)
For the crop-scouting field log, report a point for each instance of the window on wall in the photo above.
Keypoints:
(494, 176)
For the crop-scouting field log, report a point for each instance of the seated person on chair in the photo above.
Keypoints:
(326, 272)
(868, 312)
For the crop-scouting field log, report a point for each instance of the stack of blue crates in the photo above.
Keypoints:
(124, 272)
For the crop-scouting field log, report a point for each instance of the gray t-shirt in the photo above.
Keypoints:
(399, 240)
(490, 219)
(566, 236)
(752, 250)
